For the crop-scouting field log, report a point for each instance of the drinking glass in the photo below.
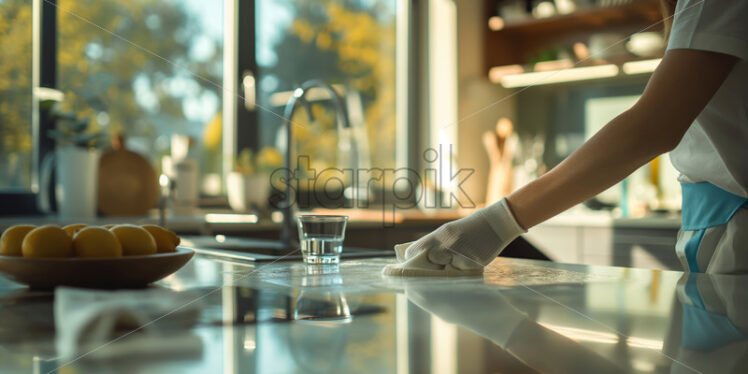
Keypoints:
(321, 238)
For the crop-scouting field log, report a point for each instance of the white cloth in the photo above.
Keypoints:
(93, 323)
(461, 247)
(715, 147)
(421, 266)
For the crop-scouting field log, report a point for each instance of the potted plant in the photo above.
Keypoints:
(75, 159)
(248, 185)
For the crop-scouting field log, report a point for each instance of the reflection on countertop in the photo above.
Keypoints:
(520, 316)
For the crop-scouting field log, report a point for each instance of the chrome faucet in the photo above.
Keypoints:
(289, 226)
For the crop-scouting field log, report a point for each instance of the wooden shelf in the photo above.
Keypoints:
(639, 12)
(520, 40)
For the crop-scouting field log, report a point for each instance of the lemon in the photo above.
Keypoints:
(71, 229)
(135, 240)
(166, 240)
(47, 241)
(96, 242)
(10, 243)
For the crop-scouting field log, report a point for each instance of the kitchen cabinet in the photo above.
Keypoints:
(646, 243)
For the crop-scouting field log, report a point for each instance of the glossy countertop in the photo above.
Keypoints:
(521, 316)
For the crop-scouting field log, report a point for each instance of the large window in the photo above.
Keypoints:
(16, 140)
(147, 70)
(349, 44)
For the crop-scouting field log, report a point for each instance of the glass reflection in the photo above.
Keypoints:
(307, 329)
(329, 306)
(318, 338)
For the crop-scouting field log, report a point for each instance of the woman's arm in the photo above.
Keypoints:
(679, 89)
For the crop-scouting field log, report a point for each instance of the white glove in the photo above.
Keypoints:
(461, 247)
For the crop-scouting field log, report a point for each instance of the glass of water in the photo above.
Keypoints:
(321, 238)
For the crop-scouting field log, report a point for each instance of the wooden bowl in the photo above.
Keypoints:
(108, 273)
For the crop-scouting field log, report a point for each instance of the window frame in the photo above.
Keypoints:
(44, 74)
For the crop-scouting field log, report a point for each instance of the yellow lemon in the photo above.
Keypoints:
(166, 240)
(109, 227)
(47, 241)
(10, 243)
(135, 240)
(96, 242)
(72, 229)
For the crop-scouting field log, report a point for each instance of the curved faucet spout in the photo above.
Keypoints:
(300, 93)
(298, 97)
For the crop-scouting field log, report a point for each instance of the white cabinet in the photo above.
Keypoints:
(632, 243)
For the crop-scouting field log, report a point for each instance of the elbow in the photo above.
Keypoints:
(668, 142)
(660, 138)
(660, 142)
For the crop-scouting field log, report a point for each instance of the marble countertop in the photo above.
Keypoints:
(521, 316)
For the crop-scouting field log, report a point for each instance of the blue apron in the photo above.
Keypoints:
(704, 206)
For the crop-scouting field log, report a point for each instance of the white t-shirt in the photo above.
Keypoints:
(715, 147)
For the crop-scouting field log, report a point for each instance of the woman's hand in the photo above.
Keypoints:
(461, 247)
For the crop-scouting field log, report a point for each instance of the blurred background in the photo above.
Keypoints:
(180, 106)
